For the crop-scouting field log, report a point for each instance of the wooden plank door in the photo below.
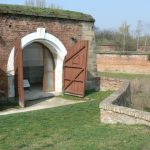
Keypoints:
(3, 81)
(18, 67)
(3, 85)
(75, 69)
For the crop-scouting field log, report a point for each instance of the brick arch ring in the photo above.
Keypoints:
(53, 44)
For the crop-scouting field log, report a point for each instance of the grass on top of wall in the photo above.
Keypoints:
(72, 127)
(120, 75)
(44, 12)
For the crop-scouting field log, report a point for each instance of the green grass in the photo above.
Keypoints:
(147, 109)
(124, 75)
(89, 95)
(73, 127)
(44, 12)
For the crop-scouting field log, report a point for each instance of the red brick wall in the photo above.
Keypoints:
(12, 27)
(123, 63)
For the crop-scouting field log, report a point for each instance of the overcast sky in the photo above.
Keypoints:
(109, 14)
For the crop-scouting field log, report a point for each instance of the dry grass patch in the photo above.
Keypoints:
(140, 92)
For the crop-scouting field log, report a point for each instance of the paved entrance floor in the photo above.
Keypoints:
(40, 104)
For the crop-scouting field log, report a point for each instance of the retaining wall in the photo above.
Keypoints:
(133, 63)
(114, 109)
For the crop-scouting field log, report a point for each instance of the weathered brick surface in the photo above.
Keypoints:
(13, 27)
(123, 63)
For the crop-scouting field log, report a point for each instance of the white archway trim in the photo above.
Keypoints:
(56, 47)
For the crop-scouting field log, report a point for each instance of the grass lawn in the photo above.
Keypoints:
(89, 95)
(124, 75)
(73, 127)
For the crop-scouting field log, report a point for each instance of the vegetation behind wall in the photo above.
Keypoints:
(125, 39)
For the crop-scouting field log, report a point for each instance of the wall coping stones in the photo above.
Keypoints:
(110, 104)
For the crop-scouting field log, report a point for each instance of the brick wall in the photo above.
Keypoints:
(17, 26)
(12, 27)
(123, 63)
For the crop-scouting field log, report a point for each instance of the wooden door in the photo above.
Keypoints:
(3, 84)
(18, 67)
(75, 69)
(3, 81)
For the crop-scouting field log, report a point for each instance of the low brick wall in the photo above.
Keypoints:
(114, 109)
(134, 63)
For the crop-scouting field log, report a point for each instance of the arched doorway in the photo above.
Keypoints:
(38, 71)
(53, 45)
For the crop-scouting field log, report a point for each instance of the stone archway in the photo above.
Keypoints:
(53, 44)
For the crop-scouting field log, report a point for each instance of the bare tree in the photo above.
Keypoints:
(40, 3)
(147, 29)
(36, 3)
(54, 6)
(138, 33)
(124, 30)
(29, 3)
